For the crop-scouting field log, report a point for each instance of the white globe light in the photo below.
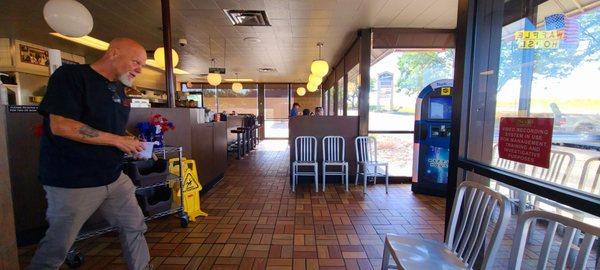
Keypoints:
(68, 17)
(314, 79)
(214, 79)
(237, 87)
(159, 57)
(319, 68)
(301, 91)
(311, 87)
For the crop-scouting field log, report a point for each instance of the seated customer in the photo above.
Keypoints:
(294, 110)
(319, 111)
(306, 112)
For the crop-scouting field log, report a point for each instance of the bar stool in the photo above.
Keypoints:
(238, 142)
(334, 152)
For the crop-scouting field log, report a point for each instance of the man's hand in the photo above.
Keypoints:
(129, 145)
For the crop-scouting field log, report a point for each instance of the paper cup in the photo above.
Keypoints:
(147, 152)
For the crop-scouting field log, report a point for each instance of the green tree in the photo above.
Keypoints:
(417, 69)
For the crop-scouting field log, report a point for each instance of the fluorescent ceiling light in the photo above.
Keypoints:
(239, 80)
(103, 46)
(85, 40)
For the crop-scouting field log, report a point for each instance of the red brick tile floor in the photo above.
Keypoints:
(256, 222)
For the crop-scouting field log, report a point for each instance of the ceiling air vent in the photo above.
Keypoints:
(267, 70)
(247, 17)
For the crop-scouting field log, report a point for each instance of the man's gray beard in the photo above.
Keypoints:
(124, 79)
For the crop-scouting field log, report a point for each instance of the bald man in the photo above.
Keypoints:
(85, 111)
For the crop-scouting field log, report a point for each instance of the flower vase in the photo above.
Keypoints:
(158, 137)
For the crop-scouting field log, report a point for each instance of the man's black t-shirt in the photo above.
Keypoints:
(80, 93)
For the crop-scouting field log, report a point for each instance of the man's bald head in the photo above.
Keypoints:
(125, 44)
(123, 59)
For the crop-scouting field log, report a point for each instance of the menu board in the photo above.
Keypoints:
(526, 140)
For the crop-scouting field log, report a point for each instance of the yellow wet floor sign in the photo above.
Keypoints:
(191, 187)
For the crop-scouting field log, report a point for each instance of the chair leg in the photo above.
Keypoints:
(294, 179)
(324, 177)
(386, 179)
(316, 179)
(346, 173)
(375, 177)
(357, 171)
(385, 261)
(365, 183)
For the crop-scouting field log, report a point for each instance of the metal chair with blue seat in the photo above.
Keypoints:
(305, 153)
(366, 158)
(472, 213)
(334, 154)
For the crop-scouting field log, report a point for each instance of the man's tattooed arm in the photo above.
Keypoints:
(88, 132)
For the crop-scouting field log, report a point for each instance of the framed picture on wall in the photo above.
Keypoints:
(32, 55)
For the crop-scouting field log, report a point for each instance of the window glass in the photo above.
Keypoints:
(397, 77)
(277, 110)
(244, 102)
(340, 96)
(353, 84)
(397, 151)
(331, 100)
(549, 68)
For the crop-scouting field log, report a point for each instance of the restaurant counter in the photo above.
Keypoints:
(206, 143)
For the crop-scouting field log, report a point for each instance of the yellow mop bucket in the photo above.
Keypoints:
(191, 187)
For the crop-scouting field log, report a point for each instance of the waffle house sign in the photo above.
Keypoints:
(539, 39)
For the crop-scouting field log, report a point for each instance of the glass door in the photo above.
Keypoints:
(277, 109)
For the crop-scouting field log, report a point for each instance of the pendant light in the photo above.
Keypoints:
(314, 79)
(68, 17)
(159, 57)
(237, 86)
(301, 91)
(311, 87)
(319, 67)
(213, 79)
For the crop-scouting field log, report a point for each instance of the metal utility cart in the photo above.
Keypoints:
(75, 258)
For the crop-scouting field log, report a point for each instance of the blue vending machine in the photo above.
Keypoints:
(432, 138)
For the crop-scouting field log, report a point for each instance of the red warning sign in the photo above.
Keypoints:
(526, 140)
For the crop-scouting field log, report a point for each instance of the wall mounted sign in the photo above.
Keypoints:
(33, 55)
(539, 39)
(526, 140)
(22, 108)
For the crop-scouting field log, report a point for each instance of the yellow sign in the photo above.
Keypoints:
(539, 39)
(446, 91)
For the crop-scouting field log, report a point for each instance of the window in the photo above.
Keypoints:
(396, 80)
(244, 102)
(352, 98)
(331, 101)
(548, 67)
(340, 96)
(397, 77)
(277, 109)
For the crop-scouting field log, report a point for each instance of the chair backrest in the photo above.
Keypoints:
(503, 163)
(561, 165)
(572, 228)
(334, 148)
(366, 149)
(590, 176)
(306, 148)
(472, 212)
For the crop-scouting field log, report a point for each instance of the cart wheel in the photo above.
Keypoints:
(74, 259)
(184, 219)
